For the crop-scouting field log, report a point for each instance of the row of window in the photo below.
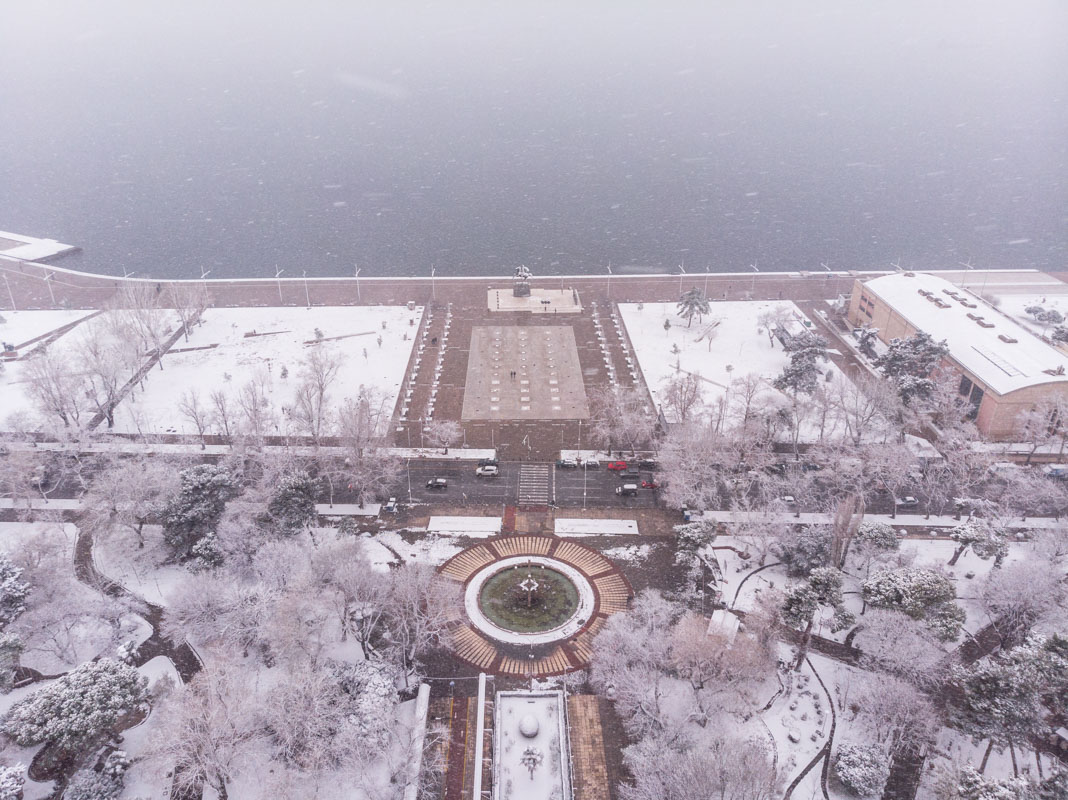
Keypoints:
(973, 393)
(867, 305)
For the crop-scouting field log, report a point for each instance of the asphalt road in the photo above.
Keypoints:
(569, 487)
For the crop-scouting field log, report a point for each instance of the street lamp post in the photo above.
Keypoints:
(706, 282)
(307, 297)
(682, 271)
(48, 280)
(408, 465)
(278, 278)
(433, 291)
(10, 293)
(752, 292)
(609, 280)
(358, 297)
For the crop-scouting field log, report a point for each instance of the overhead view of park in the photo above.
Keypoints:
(533, 403)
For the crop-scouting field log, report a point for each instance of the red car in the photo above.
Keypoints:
(650, 485)
(617, 464)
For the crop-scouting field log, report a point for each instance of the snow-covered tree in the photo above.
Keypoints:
(807, 351)
(692, 303)
(318, 373)
(1023, 596)
(919, 592)
(1006, 700)
(866, 342)
(681, 395)
(801, 603)
(804, 549)
(130, 492)
(443, 433)
(620, 418)
(13, 591)
(984, 539)
(208, 729)
(862, 768)
(910, 362)
(970, 784)
(723, 768)
(894, 713)
(188, 299)
(422, 605)
(331, 714)
(898, 644)
(873, 540)
(105, 783)
(629, 654)
(12, 779)
(194, 512)
(78, 706)
(721, 672)
(292, 505)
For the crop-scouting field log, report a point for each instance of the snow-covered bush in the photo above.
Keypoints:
(862, 768)
(878, 535)
(919, 592)
(970, 784)
(103, 784)
(78, 706)
(11, 781)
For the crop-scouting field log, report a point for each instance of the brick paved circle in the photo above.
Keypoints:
(611, 591)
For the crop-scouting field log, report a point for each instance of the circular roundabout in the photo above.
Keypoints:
(533, 603)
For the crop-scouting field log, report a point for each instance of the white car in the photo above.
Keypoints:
(908, 501)
(488, 471)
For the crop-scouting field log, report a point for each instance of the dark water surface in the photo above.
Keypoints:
(474, 136)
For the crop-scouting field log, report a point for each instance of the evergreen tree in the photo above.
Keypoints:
(910, 362)
(292, 506)
(13, 591)
(866, 342)
(195, 511)
(692, 302)
(78, 706)
(807, 352)
(806, 550)
(984, 540)
(799, 607)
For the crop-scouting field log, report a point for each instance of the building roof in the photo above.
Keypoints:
(994, 348)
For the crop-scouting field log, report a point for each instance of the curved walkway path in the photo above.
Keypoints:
(612, 594)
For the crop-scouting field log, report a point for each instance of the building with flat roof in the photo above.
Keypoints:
(1004, 369)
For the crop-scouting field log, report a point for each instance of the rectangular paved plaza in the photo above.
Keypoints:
(547, 382)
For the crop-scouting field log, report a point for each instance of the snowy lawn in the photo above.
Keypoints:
(20, 327)
(143, 571)
(236, 346)
(382, 549)
(726, 345)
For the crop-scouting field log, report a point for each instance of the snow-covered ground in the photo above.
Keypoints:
(727, 345)
(530, 725)
(474, 527)
(595, 527)
(236, 346)
(20, 327)
(383, 548)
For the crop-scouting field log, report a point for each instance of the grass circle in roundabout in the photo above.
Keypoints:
(551, 601)
(561, 600)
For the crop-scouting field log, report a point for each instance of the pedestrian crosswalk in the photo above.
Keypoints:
(535, 487)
